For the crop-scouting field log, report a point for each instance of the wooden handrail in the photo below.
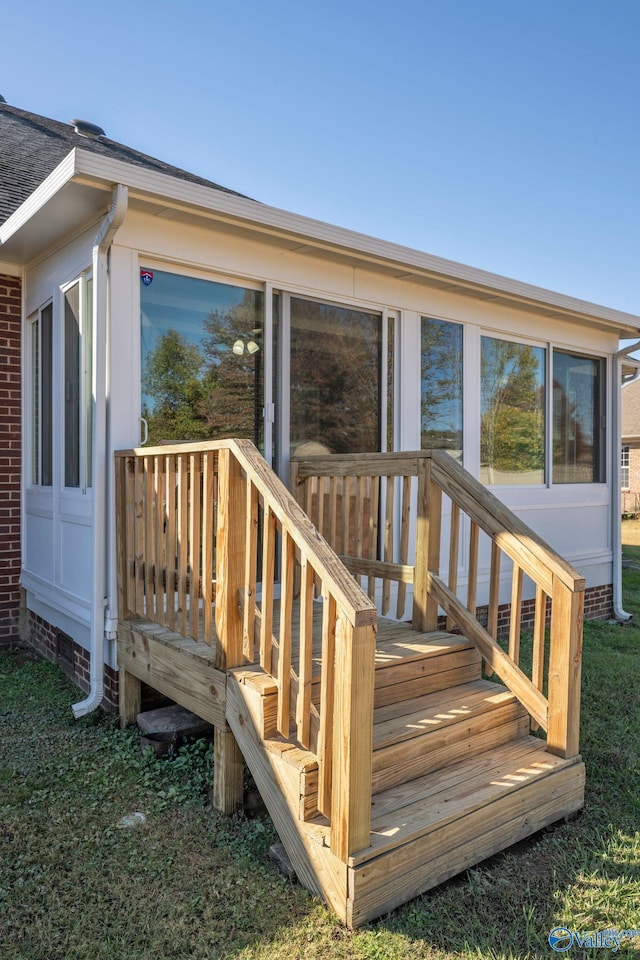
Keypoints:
(558, 585)
(168, 520)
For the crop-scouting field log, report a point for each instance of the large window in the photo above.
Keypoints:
(512, 412)
(78, 383)
(336, 378)
(441, 386)
(41, 397)
(578, 419)
(202, 358)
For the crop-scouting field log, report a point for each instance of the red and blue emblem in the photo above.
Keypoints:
(146, 276)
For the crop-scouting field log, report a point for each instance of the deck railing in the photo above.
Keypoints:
(206, 533)
(371, 506)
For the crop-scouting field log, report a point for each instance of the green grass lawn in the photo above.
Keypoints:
(77, 885)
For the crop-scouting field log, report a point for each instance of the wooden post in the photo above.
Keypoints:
(227, 772)
(565, 663)
(129, 697)
(230, 560)
(428, 526)
(352, 739)
(230, 570)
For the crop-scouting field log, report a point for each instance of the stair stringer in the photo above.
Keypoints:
(306, 843)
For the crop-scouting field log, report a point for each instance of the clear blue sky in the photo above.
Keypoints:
(504, 134)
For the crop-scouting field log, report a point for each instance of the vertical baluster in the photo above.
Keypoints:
(333, 512)
(207, 546)
(516, 614)
(182, 535)
(268, 573)
(539, 630)
(320, 483)
(374, 507)
(159, 561)
(284, 652)
(388, 540)
(194, 545)
(250, 570)
(171, 544)
(325, 735)
(494, 590)
(359, 522)
(130, 544)
(347, 538)
(148, 538)
(454, 541)
(405, 523)
(305, 666)
(472, 586)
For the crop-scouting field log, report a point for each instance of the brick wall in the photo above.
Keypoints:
(54, 645)
(10, 457)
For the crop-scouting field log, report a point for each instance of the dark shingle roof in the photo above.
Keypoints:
(32, 146)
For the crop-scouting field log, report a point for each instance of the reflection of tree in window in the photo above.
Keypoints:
(576, 419)
(441, 386)
(203, 390)
(335, 377)
(512, 412)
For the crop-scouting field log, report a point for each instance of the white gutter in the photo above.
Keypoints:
(112, 221)
(618, 611)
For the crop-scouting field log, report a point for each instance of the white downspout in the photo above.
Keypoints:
(618, 611)
(102, 243)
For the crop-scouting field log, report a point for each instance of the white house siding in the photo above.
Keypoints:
(573, 518)
(57, 532)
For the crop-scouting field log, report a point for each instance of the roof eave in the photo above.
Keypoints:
(91, 169)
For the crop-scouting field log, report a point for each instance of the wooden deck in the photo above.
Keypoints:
(387, 760)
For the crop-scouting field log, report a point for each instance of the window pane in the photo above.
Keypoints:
(441, 386)
(624, 468)
(512, 412)
(202, 351)
(577, 411)
(35, 402)
(336, 357)
(46, 395)
(72, 387)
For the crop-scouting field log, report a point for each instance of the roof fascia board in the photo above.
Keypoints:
(223, 205)
(84, 166)
(57, 179)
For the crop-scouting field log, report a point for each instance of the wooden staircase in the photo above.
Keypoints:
(452, 757)
(386, 761)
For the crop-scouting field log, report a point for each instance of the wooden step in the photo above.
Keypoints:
(435, 826)
(413, 737)
(410, 664)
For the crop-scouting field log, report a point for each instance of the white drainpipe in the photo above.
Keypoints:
(102, 243)
(618, 611)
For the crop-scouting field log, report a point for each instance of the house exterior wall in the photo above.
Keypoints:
(10, 455)
(574, 518)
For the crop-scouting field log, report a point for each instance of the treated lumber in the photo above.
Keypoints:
(129, 696)
(495, 656)
(352, 738)
(227, 772)
(380, 885)
(306, 843)
(565, 665)
(192, 682)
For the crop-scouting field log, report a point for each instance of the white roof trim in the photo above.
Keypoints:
(62, 174)
(89, 168)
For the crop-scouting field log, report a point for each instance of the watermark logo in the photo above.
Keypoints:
(562, 939)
